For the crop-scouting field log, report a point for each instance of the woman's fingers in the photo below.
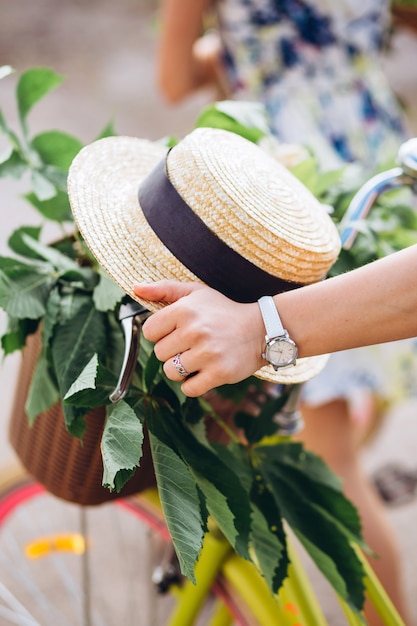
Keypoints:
(203, 338)
(165, 290)
(197, 385)
(177, 367)
(164, 321)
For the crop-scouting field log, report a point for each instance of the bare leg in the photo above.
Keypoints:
(329, 433)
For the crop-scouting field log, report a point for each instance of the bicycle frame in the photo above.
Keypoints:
(219, 569)
(296, 603)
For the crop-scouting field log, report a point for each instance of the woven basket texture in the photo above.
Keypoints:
(66, 466)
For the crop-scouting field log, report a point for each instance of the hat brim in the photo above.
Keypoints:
(103, 184)
(304, 370)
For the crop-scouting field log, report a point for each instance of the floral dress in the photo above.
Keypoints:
(314, 64)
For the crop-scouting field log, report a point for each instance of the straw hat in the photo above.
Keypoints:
(215, 209)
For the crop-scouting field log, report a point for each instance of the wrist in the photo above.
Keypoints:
(280, 349)
(299, 319)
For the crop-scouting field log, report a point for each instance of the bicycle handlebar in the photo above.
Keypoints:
(403, 176)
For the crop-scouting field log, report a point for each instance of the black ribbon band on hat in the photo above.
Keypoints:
(197, 247)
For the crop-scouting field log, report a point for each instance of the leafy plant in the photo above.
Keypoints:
(390, 226)
(250, 485)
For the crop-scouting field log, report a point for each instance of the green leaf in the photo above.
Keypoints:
(86, 380)
(42, 187)
(43, 392)
(249, 114)
(12, 137)
(13, 165)
(69, 245)
(307, 173)
(152, 370)
(55, 209)
(167, 389)
(238, 391)
(327, 180)
(238, 117)
(24, 288)
(180, 503)
(305, 491)
(53, 310)
(56, 176)
(192, 410)
(59, 261)
(17, 331)
(168, 141)
(75, 420)
(268, 537)
(306, 472)
(312, 528)
(145, 352)
(108, 131)
(93, 386)
(319, 183)
(326, 565)
(16, 242)
(121, 444)
(70, 303)
(81, 336)
(218, 505)
(32, 86)
(225, 496)
(115, 347)
(107, 294)
(56, 148)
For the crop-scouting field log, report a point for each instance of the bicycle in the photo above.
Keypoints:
(230, 586)
(65, 547)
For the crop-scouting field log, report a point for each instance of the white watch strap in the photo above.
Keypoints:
(272, 320)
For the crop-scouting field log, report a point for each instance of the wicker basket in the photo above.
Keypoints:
(65, 466)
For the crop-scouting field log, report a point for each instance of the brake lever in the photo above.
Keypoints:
(131, 317)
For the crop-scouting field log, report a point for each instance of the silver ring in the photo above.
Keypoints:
(179, 366)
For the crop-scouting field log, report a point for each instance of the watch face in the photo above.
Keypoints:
(281, 352)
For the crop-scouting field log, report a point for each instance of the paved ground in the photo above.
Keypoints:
(106, 51)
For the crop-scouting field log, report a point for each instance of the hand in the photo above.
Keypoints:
(207, 53)
(219, 341)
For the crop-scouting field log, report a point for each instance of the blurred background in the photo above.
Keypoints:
(106, 52)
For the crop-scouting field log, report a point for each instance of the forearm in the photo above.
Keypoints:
(375, 304)
(224, 340)
(182, 65)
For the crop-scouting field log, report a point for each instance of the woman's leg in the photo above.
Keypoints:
(329, 432)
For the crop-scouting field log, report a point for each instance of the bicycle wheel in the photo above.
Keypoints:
(66, 565)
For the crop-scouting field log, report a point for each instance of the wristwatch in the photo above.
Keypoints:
(280, 349)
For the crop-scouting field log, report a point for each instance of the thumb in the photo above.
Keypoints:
(165, 290)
